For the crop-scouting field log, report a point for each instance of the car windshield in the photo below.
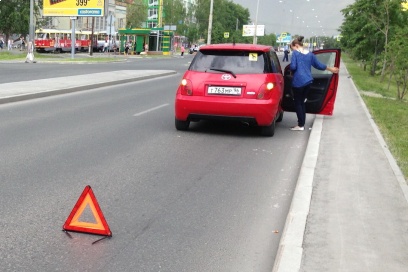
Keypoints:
(236, 61)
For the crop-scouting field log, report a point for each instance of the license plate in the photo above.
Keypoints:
(224, 90)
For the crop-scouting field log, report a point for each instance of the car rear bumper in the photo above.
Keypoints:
(259, 112)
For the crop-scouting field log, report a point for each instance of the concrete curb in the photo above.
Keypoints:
(289, 256)
(81, 87)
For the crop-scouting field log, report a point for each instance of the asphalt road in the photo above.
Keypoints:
(17, 70)
(214, 198)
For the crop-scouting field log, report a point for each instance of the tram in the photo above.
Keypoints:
(54, 40)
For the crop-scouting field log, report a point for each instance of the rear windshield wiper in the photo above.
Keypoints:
(225, 71)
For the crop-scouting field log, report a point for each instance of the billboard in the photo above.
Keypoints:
(284, 37)
(73, 8)
(249, 30)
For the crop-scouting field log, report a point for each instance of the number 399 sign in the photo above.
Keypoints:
(73, 7)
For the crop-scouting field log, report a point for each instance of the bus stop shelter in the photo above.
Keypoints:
(158, 40)
(138, 37)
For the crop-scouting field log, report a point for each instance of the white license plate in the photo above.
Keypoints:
(224, 90)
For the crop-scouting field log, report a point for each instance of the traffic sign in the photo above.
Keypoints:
(226, 35)
(249, 30)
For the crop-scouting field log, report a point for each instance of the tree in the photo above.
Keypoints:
(331, 42)
(367, 27)
(398, 60)
(267, 40)
(174, 14)
(227, 17)
(15, 16)
(358, 33)
(383, 21)
(136, 14)
(192, 33)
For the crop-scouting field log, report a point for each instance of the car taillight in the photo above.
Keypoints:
(265, 90)
(186, 87)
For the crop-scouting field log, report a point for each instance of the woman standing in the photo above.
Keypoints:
(30, 53)
(127, 46)
(182, 50)
(301, 66)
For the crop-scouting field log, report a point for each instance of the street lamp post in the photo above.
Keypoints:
(210, 19)
(256, 23)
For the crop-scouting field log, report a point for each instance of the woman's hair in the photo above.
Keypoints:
(298, 40)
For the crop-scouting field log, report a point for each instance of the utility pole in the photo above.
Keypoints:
(256, 23)
(73, 40)
(110, 42)
(210, 19)
(31, 28)
(92, 36)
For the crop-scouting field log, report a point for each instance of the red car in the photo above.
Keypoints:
(241, 82)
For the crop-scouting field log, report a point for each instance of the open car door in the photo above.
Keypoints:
(322, 93)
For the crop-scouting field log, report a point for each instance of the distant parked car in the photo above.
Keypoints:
(193, 49)
(17, 44)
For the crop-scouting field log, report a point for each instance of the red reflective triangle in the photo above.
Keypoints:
(87, 198)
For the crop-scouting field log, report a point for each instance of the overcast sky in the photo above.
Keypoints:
(303, 17)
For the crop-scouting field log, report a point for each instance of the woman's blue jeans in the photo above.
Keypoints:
(300, 96)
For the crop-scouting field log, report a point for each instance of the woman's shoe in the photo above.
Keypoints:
(297, 128)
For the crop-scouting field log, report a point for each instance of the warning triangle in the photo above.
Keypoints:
(87, 200)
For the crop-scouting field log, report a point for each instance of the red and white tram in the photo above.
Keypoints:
(54, 40)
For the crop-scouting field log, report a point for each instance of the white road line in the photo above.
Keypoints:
(149, 110)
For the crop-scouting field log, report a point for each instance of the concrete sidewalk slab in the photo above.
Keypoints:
(358, 219)
(23, 90)
(358, 215)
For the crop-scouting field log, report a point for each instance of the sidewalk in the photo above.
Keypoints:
(23, 90)
(350, 209)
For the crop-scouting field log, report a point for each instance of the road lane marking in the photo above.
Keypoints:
(149, 110)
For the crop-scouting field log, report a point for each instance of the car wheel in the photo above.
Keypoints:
(182, 125)
(268, 131)
(280, 117)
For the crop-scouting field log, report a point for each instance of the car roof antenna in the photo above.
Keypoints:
(233, 41)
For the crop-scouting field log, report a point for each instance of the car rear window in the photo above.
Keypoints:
(236, 61)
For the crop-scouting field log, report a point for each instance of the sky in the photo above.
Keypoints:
(298, 17)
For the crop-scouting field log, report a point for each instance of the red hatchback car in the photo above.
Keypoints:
(241, 82)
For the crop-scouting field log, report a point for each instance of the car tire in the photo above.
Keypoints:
(280, 117)
(268, 131)
(182, 125)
